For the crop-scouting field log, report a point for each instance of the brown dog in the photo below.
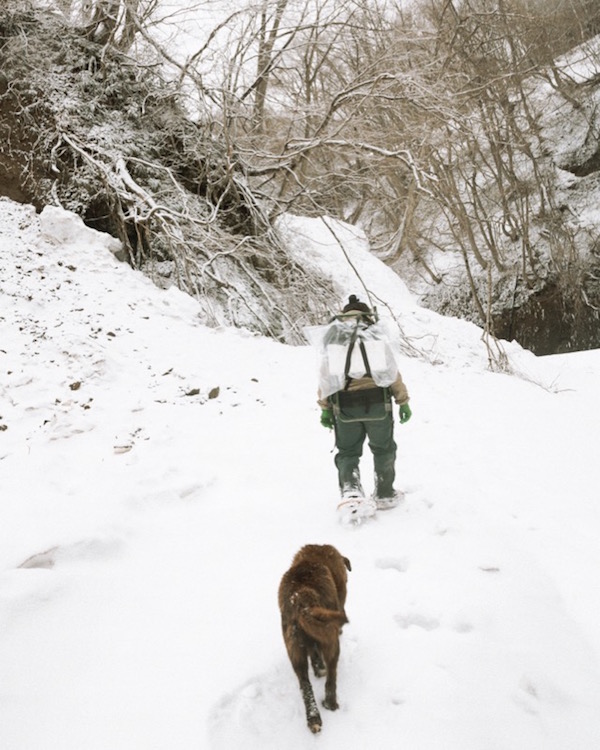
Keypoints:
(312, 595)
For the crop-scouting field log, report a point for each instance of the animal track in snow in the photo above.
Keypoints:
(463, 627)
(89, 549)
(424, 622)
(400, 564)
(405, 621)
(526, 697)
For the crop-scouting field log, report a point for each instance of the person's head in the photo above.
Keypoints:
(357, 308)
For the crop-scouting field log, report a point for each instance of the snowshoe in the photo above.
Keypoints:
(387, 503)
(353, 510)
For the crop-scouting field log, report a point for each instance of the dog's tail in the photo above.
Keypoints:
(320, 623)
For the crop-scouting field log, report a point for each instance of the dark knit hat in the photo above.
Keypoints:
(355, 304)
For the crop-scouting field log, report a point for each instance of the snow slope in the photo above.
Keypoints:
(147, 517)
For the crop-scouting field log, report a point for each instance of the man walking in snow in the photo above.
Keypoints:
(362, 408)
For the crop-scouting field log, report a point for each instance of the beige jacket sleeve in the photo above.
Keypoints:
(399, 391)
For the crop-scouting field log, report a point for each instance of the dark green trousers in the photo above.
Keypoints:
(355, 421)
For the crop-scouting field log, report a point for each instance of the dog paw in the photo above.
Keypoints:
(330, 705)
(315, 725)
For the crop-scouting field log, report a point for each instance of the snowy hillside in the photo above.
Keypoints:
(156, 478)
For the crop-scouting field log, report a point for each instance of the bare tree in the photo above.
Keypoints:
(419, 124)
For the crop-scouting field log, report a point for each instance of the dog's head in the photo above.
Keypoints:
(327, 554)
(323, 553)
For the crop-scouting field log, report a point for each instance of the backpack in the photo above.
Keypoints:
(350, 347)
(356, 352)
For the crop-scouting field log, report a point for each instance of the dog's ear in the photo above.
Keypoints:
(347, 563)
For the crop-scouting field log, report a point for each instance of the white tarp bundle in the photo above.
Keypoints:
(332, 343)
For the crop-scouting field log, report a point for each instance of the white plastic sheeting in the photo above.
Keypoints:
(332, 342)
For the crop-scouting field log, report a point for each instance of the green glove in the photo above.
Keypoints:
(405, 413)
(327, 418)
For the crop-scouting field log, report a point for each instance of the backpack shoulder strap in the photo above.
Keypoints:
(363, 352)
(349, 356)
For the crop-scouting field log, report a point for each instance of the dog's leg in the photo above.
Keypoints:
(313, 717)
(316, 659)
(331, 654)
(298, 648)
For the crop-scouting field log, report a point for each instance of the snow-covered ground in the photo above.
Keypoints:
(146, 519)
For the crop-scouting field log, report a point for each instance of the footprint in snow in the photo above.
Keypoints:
(411, 619)
(85, 550)
(266, 711)
(401, 564)
(526, 696)
(414, 619)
